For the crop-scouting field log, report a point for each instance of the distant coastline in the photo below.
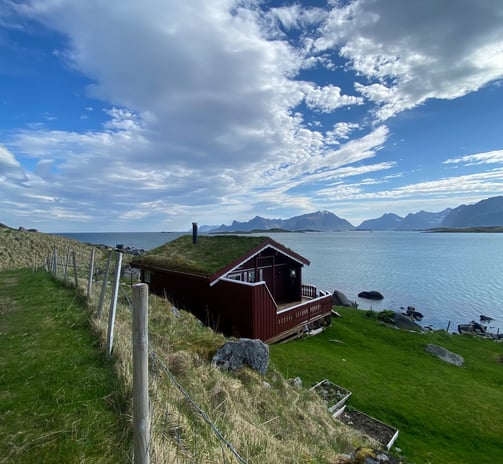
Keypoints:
(494, 229)
(264, 231)
(491, 229)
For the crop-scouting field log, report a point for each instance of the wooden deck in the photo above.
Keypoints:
(291, 304)
(294, 318)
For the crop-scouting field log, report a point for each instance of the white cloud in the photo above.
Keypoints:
(490, 157)
(408, 52)
(297, 17)
(10, 168)
(329, 98)
(478, 183)
(7, 160)
(205, 102)
(340, 131)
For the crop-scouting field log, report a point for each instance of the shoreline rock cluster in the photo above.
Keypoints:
(477, 329)
(409, 317)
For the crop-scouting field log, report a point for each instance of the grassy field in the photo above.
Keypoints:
(445, 414)
(59, 397)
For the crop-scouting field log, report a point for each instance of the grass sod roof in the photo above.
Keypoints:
(205, 258)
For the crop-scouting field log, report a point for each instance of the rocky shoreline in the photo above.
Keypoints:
(409, 317)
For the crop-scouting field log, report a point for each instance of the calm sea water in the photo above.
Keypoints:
(448, 277)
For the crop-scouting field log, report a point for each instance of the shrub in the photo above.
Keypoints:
(387, 316)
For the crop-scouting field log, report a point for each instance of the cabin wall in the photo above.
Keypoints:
(264, 315)
(245, 310)
(184, 291)
(233, 304)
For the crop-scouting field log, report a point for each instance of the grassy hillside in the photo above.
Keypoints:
(60, 403)
(20, 249)
(264, 419)
(445, 414)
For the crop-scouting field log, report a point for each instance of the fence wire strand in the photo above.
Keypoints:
(228, 445)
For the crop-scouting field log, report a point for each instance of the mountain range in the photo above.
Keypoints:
(485, 213)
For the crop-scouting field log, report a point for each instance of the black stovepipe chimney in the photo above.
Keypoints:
(194, 232)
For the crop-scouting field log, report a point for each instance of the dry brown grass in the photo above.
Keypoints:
(265, 419)
(20, 249)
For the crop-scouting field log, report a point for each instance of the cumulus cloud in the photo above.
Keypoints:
(408, 52)
(329, 98)
(214, 102)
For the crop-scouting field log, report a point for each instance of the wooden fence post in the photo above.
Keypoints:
(90, 279)
(67, 260)
(141, 415)
(74, 259)
(113, 303)
(104, 286)
(55, 262)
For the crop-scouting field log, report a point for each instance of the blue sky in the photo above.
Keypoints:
(147, 116)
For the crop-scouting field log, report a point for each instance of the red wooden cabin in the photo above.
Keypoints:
(243, 286)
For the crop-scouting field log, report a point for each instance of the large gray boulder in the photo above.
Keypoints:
(339, 299)
(371, 295)
(445, 355)
(405, 323)
(244, 352)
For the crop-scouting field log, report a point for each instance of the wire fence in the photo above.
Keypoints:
(117, 286)
(157, 361)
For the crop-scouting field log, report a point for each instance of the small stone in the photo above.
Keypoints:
(295, 382)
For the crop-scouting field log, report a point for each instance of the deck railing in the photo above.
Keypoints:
(305, 312)
(309, 291)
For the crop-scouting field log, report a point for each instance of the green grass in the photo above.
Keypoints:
(59, 399)
(445, 414)
(205, 258)
(62, 400)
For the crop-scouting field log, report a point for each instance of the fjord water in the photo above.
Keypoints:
(452, 277)
(446, 276)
